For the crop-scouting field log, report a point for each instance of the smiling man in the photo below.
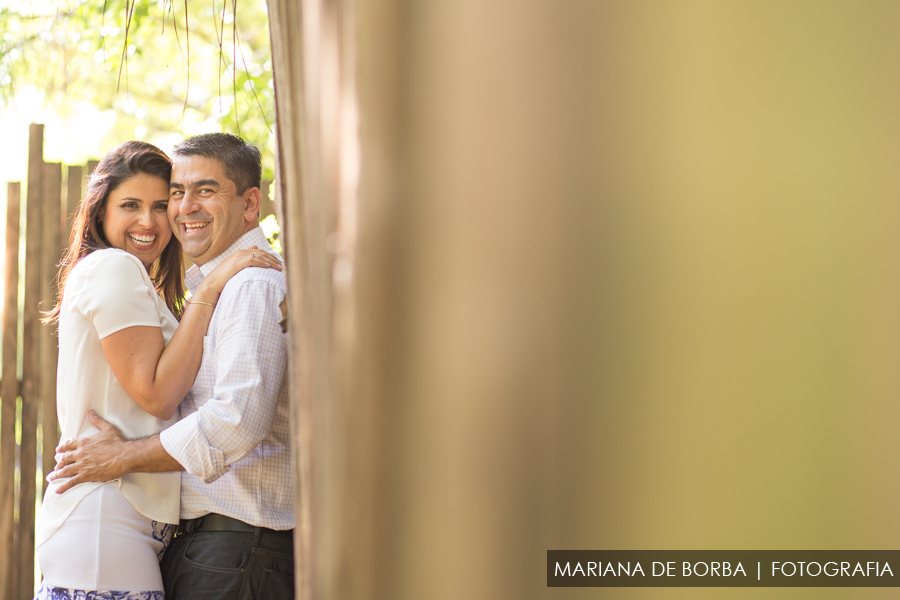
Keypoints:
(237, 519)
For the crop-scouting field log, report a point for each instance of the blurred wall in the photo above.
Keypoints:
(627, 276)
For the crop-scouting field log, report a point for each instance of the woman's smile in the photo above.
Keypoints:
(142, 240)
(135, 217)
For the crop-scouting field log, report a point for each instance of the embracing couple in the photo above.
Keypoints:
(174, 477)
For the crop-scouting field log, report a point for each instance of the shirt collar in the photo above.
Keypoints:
(196, 274)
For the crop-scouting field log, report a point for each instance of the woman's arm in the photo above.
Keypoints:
(157, 376)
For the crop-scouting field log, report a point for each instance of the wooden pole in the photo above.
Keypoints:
(48, 347)
(317, 176)
(74, 185)
(31, 368)
(299, 178)
(8, 393)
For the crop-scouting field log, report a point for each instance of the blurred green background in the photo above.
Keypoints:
(98, 73)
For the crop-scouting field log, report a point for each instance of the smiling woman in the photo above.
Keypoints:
(118, 181)
(135, 218)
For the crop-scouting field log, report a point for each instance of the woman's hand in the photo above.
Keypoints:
(214, 283)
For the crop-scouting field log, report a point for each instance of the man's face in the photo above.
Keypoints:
(205, 210)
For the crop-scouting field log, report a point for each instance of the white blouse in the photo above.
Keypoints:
(107, 291)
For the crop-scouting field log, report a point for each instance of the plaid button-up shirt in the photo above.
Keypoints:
(234, 435)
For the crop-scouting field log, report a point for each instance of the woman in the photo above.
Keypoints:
(121, 288)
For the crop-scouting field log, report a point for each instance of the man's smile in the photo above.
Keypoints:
(194, 227)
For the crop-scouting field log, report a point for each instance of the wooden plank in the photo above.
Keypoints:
(48, 348)
(8, 393)
(74, 186)
(91, 165)
(285, 21)
(278, 196)
(31, 368)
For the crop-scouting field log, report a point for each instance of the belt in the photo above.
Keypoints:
(217, 522)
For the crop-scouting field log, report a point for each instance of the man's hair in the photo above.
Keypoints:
(240, 161)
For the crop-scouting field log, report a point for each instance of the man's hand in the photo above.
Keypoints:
(100, 457)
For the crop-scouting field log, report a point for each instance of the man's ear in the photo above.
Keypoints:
(252, 202)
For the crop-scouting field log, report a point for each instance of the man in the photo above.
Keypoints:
(235, 538)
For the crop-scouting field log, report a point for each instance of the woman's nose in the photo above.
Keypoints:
(146, 219)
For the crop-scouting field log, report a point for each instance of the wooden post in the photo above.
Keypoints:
(74, 185)
(31, 368)
(278, 196)
(300, 180)
(48, 347)
(8, 393)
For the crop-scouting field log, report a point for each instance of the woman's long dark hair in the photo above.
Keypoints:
(119, 164)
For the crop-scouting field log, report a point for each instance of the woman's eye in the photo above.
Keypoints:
(161, 206)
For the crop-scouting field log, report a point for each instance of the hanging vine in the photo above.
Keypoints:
(158, 65)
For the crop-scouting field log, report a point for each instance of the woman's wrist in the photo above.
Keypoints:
(204, 295)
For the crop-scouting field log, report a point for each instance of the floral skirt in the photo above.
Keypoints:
(55, 593)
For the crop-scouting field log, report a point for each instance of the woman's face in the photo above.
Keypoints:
(135, 217)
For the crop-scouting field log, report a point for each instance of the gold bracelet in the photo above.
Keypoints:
(199, 302)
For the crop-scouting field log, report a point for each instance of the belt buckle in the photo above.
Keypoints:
(195, 524)
(187, 526)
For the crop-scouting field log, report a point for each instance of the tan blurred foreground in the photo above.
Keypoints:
(588, 274)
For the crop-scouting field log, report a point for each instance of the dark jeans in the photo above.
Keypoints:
(226, 565)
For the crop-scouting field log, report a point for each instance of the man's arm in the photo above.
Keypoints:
(107, 455)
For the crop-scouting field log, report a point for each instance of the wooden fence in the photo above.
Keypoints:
(28, 424)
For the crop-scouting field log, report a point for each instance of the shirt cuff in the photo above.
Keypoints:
(186, 443)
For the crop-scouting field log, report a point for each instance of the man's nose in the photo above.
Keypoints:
(188, 203)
